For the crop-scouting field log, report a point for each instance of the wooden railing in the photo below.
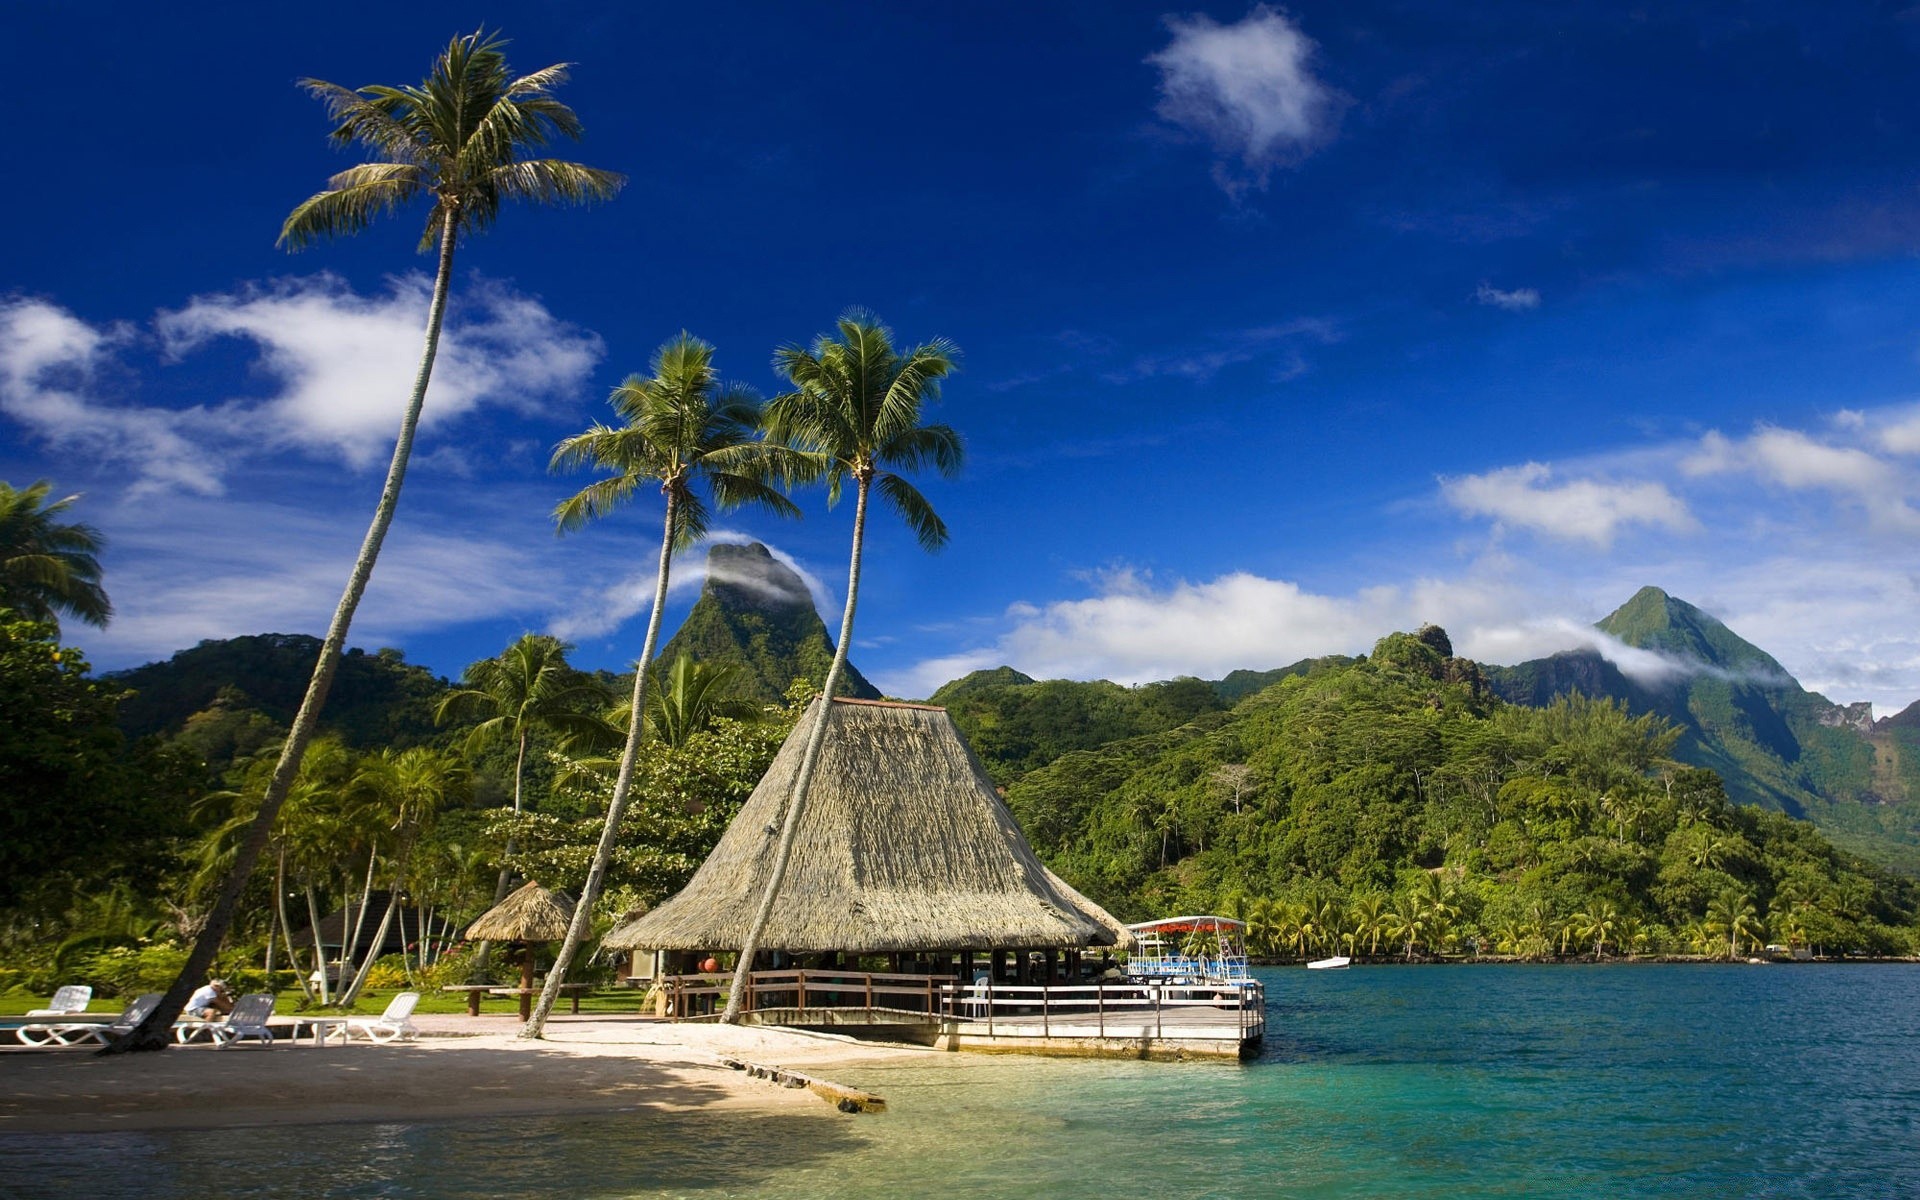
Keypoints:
(1123, 1009)
(703, 995)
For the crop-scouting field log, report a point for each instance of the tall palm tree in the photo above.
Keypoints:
(856, 411)
(1369, 920)
(681, 429)
(528, 687)
(407, 789)
(463, 139)
(1598, 923)
(48, 566)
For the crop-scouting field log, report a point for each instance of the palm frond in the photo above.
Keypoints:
(904, 499)
(342, 212)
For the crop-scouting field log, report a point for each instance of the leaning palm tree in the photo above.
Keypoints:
(856, 412)
(528, 687)
(680, 429)
(467, 140)
(48, 566)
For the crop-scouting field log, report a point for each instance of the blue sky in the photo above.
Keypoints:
(1282, 328)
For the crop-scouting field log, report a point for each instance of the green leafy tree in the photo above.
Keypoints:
(681, 430)
(691, 696)
(48, 566)
(527, 687)
(466, 140)
(856, 412)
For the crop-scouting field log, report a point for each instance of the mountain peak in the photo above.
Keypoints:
(1655, 620)
(755, 611)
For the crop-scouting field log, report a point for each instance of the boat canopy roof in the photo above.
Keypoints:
(1200, 924)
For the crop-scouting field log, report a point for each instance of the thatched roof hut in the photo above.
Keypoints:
(532, 914)
(902, 846)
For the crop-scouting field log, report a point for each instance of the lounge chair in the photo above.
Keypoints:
(74, 1033)
(247, 1020)
(73, 998)
(391, 1025)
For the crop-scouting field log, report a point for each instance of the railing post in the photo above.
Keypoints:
(990, 1006)
(1157, 990)
(800, 990)
(869, 991)
(1100, 1003)
(1046, 1002)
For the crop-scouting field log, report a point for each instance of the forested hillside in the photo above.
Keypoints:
(1364, 784)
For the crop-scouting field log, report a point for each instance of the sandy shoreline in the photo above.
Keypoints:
(585, 1065)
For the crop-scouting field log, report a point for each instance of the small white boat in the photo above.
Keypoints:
(1337, 963)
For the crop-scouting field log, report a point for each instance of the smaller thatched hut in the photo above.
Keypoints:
(531, 915)
(903, 848)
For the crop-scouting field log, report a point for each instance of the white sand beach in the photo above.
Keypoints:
(460, 1067)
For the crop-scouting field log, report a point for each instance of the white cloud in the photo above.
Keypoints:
(1794, 460)
(606, 608)
(339, 364)
(1249, 89)
(1902, 435)
(1590, 510)
(1517, 300)
(344, 362)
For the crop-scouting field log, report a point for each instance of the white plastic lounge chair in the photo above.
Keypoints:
(391, 1025)
(75, 1033)
(73, 998)
(247, 1020)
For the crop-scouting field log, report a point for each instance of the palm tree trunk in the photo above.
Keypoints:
(156, 1032)
(350, 955)
(485, 950)
(319, 947)
(737, 993)
(617, 805)
(286, 927)
(366, 966)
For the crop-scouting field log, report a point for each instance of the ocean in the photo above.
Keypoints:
(1380, 1081)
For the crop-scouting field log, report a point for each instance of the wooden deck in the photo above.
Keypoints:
(1106, 1019)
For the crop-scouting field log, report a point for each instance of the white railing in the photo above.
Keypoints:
(1109, 1009)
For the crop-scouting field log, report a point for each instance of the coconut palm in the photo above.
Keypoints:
(1598, 923)
(691, 696)
(407, 790)
(1407, 918)
(528, 687)
(682, 429)
(856, 412)
(48, 566)
(465, 139)
(1731, 918)
(1369, 920)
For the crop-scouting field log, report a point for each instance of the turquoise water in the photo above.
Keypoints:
(1623, 1081)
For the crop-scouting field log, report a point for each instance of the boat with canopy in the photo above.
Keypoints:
(1197, 950)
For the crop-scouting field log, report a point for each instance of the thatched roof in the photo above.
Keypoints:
(1122, 936)
(532, 914)
(902, 846)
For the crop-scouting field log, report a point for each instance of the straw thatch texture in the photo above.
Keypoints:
(1122, 936)
(902, 846)
(532, 914)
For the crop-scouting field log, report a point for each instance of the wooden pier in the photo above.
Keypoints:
(1103, 1019)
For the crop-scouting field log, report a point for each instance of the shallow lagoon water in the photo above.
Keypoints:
(1656, 1080)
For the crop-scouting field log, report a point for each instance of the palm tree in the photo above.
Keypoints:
(1731, 916)
(407, 789)
(691, 696)
(48, 566)
(460, 139)
(1630, 934)
(1598, 923)
(680, 429)
(1407, 918)
(1370, 920)
(856, 412)
(528, 687)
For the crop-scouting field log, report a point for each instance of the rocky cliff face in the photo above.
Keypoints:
(755, 612)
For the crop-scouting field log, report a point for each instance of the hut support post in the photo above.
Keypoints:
(1053, 967)
(526, 985)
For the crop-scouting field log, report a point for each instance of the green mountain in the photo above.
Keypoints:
(228, 697)
(755, 612)
(1773, 742)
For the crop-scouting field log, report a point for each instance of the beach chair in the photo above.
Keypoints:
(391, 1025)
(247, 1020)
(73, 998)
(75, 1033)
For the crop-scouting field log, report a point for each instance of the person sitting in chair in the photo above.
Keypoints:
(211, 1002)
